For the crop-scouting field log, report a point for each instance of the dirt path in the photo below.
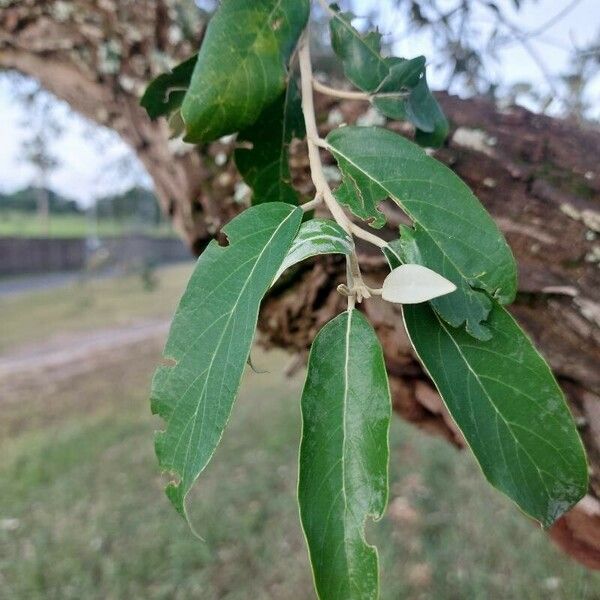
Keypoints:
(66, 355)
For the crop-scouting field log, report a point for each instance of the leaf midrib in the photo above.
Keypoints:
(344, 429)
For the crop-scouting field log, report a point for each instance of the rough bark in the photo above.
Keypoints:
(538, 176)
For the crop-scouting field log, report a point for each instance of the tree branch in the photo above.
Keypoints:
(340, 94)
(358, 289)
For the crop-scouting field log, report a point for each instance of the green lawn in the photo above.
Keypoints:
(61, 226)
(83, 514)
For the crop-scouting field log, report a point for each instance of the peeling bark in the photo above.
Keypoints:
(538, 176)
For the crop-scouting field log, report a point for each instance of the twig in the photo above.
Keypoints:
(358, 289)
(314, 142)
(313, 203)
(354, 95)
(341, 94)
(312, 133)
(367, 236)
(553, 20)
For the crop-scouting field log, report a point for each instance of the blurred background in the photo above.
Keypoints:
(95, 250)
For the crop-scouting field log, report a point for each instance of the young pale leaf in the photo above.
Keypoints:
(210, 338)
(470, 306)
(241, 66)
(316, 237)
(344, 455)
(165, 94)
(265, 166)
(509, 407)
(412, 284)
(398, 87)
(451, 225)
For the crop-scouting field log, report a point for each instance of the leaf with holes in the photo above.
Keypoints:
(264, 164)
(344, 456)
(454, 235)
(317, 237)
(210, 338)
(242, 65)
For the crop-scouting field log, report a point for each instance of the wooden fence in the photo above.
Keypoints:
(42, 255)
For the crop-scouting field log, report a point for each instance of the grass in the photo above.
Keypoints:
(15, 224)
(89, 304)
(83, 514)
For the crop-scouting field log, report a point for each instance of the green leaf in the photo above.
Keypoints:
(265, 166)
(165, 94)
(242, 65)
(423, 110)
(362, 196)
(403, 74)
(316, 237)
(360, 54)
(505, 400)
(344, 456)
(395, 90)
(210, 338)
(398, 86)
(454, 234)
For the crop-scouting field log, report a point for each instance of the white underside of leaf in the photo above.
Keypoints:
(412, 284)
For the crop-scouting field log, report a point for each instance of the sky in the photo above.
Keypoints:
(95, 162)
(90, 157)
(581, 24)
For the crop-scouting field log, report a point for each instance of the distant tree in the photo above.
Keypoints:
(469, 35)
(37, 149)
(137, 205)
(27, 201)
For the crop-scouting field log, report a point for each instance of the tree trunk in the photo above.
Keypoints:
(538, 176)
